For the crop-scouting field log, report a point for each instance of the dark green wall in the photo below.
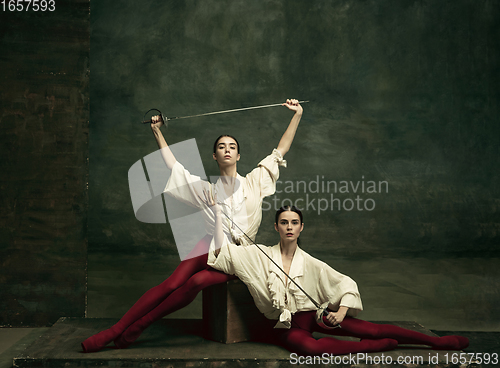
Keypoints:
(44, 112)
(400, 91)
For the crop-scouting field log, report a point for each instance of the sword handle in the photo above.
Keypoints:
(150, 121)
(325, 313)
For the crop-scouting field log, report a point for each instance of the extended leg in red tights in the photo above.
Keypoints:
(363, 329)
(177, 300)
(302, 342)
(152, 298)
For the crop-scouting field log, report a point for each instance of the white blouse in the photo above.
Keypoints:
(267, 284)
(244, 206)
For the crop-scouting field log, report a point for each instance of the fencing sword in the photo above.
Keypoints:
(323, 309)
(166, 119)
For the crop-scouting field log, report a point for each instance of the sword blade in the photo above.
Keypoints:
(226, 111)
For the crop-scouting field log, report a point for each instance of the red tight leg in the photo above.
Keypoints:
(177, 300)
(152, 298)
(367, 330)
(363, 329)
(302, 342)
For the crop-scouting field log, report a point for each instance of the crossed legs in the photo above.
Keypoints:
(374, 337)
(177, 300)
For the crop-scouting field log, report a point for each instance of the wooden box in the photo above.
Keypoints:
(230, 315)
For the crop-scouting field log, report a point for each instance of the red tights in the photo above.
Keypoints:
(374, 337)
(177, 291)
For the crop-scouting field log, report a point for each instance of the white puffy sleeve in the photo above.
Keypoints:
(185, 187)
(266, 174)
(339, 290)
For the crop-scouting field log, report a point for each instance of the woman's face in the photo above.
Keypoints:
(226, 152)
(289, 226)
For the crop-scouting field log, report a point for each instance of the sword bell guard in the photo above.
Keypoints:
(320, 313)
(163, 117)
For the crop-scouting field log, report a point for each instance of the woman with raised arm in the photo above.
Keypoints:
(243, 197)
(292, 311)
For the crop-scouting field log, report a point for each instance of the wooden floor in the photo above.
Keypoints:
(180, 343)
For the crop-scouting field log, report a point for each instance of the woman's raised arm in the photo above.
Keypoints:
(166, 153)
(287, 138)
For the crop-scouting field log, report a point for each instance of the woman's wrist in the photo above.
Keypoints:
(343, 310)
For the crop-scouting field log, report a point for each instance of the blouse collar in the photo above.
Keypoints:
(238, 195)
(296, 268)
